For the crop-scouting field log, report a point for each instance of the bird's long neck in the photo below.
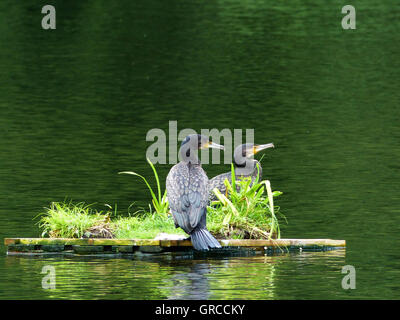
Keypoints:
(187, 155)
(248, 168)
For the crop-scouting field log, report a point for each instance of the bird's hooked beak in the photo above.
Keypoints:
(259, 147)
(213, 145)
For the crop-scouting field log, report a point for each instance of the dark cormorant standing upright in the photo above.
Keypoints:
(187, 191)
(244, 166)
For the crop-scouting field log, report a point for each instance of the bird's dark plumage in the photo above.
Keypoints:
(218, 181)
(187, 191)
(244, 167)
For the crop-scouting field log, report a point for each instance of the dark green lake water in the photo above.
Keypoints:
(76, 104)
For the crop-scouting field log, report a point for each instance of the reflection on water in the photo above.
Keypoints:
(192, 283)
(171, 277)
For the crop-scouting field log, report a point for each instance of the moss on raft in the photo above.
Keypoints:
(246, 211)
(144, 228)
(69, 220)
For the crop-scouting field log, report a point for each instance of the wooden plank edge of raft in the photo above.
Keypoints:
(177, 243)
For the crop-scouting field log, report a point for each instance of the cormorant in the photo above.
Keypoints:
(187, 191)
(244, 167)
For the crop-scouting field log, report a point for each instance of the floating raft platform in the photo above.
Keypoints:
(92, 246)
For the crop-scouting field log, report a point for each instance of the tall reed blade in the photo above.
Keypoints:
(271, 207)
(159, 201)
(157, 180)
(143, 178)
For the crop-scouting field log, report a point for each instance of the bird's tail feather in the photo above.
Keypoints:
(202, 239)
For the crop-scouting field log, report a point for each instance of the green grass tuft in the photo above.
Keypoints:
(247, 212)
(144, 228)
(160, 202)
(68, 220)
